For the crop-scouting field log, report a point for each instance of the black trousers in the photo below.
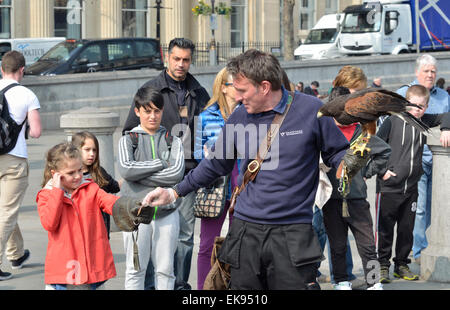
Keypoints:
(400, 209)
(271, 257)
(360, 223)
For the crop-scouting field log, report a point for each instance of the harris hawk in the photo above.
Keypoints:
(365, 107)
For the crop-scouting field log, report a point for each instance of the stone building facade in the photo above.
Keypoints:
(249, 21)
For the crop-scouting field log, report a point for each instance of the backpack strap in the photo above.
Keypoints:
(2, 94)
(169, 140)
(134, 139)
(4, 104)
(134, 136)
(4, 90)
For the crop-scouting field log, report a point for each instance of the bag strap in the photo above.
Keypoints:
(135, 138)
(5, 104)
(255, 165)
(4, 90)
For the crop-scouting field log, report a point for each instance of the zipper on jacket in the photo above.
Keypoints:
(152, 140)
(153, 147)
(403, 133)
(412, 158)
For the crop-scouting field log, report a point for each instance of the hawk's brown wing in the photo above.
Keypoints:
(369, 105)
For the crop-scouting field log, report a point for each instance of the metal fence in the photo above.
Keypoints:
(226, 51)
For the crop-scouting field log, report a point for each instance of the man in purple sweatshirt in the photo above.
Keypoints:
(271, 243)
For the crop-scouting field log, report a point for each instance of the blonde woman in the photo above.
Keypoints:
(210, 123)
(351, 77)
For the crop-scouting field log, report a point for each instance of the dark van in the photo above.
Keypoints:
(80, 56)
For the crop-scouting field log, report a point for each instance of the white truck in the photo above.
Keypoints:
(31, 48)
(321, 42)
(393, 27)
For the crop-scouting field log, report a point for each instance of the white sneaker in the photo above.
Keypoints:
(376, 287)
(343, 286)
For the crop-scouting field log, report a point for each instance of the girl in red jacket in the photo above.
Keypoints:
(78, 252)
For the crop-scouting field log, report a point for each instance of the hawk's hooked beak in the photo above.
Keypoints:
(319, 114)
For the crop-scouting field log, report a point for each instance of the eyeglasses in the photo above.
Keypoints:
(228, 84)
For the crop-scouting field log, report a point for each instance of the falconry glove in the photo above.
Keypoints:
(349, 167)
(354, 162)
(128, 213)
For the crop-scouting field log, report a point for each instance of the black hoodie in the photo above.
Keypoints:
(407, 148)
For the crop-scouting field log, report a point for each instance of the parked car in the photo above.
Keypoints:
(80, 56)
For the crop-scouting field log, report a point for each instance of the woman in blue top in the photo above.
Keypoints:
(209, 125)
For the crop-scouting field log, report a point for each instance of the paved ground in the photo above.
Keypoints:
(31, 276)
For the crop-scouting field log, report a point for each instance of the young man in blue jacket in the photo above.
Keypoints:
(271, 243)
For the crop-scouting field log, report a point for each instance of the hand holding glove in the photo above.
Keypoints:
(160, 197)
(352, 164)
(129, 212)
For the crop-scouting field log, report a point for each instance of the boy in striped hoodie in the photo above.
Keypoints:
(149, 156)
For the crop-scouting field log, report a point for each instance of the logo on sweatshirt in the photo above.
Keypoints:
(291, 133)
(414, 207)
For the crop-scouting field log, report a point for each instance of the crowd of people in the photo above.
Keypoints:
(178, 139)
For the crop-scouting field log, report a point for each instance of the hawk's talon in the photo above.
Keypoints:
(360, 144)
(361, 149)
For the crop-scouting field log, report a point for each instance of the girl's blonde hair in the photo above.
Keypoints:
(350, 77)
(58, 155)
(79, 139)
(218, 96)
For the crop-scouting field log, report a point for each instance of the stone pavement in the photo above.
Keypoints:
(31, 276)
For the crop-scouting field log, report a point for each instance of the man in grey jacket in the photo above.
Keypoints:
(149, 157)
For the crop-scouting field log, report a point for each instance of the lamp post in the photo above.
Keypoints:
(213, 25)
(158, 8)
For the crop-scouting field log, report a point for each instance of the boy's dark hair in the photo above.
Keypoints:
(146, 95)
(257, 66)
(419, 91)
(315, 83)
(338, 91)
(182, 43)
(12, 61)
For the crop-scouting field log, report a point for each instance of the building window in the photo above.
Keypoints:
(5, 19)
(68, 18)
(134, 18)
(331, 6)
(306, 14)
(237, 22)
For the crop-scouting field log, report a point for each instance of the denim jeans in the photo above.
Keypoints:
(183, 255)
(423, 213)
(319, 228)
